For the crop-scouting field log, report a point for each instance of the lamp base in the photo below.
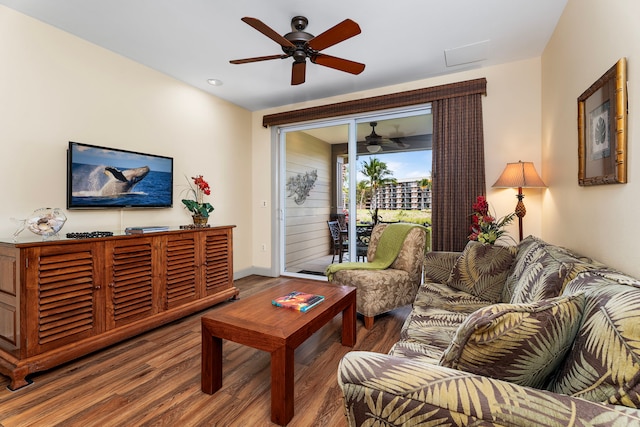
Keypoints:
(521, 211)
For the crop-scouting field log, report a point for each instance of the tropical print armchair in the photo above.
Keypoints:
(379, 291)
(532, 335)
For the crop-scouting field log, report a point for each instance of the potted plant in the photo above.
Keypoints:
(197, 206)
(485, 228)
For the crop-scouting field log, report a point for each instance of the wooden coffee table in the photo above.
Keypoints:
(255, 322)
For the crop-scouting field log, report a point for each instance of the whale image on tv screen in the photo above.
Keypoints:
(101, 177)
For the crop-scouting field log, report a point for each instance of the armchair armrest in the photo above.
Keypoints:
(401, 391)
(438, 266)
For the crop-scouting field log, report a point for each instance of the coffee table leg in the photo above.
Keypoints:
(282, 367)
(211, 369)
(349, 325)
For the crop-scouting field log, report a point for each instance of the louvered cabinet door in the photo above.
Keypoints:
(64, 295)
(130, 271)
(182, 269)
(218, 264)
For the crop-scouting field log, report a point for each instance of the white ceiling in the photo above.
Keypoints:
(401, 40)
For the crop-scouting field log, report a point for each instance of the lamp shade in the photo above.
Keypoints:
(519, 175)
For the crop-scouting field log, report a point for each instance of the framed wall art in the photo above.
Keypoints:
(602, 129)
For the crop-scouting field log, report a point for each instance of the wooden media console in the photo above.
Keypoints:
(63, 299)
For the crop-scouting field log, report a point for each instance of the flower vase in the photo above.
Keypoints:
(200, 221)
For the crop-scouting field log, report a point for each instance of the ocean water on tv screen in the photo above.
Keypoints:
(92, 187)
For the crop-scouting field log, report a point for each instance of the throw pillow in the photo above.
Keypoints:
(604, 363)
(527, 251)
(519, 343)
(481, 270)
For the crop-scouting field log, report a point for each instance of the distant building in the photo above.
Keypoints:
(405, 195)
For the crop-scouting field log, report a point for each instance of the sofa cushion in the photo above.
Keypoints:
(436, 295)
(481, 270)
(438, 311)
(416, 350)
(604, 364)
(546, 276)
(519, 343)
(433, 326)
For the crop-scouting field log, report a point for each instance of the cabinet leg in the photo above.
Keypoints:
(18, 379)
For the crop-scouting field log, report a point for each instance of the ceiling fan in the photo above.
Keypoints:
(301, 45)
(374, 142)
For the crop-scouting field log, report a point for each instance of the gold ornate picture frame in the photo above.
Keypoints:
(602, 129)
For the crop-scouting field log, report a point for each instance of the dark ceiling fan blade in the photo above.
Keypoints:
(267, 31)
(298, 72)
(338, 63)
(339, 32)
(258, 58)
(400, 142)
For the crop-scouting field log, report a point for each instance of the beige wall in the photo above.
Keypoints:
(55, 87)
(512, 132)
(599, 221)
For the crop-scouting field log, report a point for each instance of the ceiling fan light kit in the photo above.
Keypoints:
(373, 148)
(300, 45)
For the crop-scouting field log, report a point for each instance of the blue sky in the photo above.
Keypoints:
(407, 165)
(101, 156)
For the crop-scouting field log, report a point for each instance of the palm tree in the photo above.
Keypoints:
(362, 188)
(379, 175)
(424, 183)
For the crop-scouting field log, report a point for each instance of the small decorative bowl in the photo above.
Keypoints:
(46, 222)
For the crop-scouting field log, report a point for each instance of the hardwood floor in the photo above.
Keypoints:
(154, 379)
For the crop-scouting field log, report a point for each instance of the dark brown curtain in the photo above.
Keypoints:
(457, 170)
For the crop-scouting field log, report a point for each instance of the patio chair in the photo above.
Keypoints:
(363, 236)
(342, 220)
(338, 243)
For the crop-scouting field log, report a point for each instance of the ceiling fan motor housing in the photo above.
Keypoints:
(300, 39)
(299, 23)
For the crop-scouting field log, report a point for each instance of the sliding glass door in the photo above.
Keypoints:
(309, 198)
(320, 183)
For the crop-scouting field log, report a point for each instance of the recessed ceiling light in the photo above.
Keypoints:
(215, 82)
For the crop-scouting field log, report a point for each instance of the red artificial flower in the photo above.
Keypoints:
(201, 189)
(481, 206)
(202, 184)
(484, 227)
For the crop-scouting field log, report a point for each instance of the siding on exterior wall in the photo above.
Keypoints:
(306, 232)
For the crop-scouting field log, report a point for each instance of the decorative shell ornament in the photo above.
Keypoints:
(45, 222)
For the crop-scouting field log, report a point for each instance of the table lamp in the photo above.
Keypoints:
(519, 175)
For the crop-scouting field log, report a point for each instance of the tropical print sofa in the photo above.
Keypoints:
(530, 335)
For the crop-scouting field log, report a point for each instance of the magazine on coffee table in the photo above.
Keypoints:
(300, 301)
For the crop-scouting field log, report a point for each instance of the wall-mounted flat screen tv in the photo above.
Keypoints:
(101, 177)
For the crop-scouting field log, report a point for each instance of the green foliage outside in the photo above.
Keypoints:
(378, 175)
(412, 216)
